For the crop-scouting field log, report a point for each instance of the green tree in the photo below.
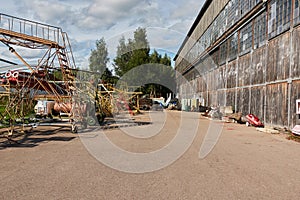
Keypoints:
(166, 60)
(124, 54)
(99, 57)
(155, 57)
(153, 67)
(98, 62)
(133, 53)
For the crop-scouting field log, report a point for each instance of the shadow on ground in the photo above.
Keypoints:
(58, 132)
(36, 137)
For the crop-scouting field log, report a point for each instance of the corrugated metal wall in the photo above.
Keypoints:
(258, 82)
(265, 80)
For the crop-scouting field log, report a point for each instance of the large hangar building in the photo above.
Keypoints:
(244, 54)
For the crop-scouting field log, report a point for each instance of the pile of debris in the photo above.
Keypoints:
(296, 130)
(227, 114)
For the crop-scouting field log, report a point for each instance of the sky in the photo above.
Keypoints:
(167, 22)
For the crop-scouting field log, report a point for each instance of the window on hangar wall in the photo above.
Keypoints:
(246, 39)
(260, 31)
(296, 13)
(223, 53)
(233, 12)
(233, 46)
(279, 17)
(247, 5)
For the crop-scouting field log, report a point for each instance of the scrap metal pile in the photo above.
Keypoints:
(53, 85)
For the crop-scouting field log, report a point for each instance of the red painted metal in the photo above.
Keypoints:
(254, 120)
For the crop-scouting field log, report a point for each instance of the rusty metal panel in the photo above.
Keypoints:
(296, 53)
(221, 77)
(198, 85)
(221, 98)
(243, 101)
(202, 84)
(211, 81)
(277, 104)
(231, 75)
(212, 98)
(230, 97)
(257, 101)
(278, 58)
(295, 95)
(215, 57)
(207, 80)
(204, 95)
(244, 70)
(258, 66)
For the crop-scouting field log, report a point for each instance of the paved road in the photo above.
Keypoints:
(245, 164)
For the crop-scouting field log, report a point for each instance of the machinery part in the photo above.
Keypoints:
(100, 118)
(15, 74)
(8, 74)
(74, 128)
(91, 121)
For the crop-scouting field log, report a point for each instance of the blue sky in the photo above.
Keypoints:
(167, 22)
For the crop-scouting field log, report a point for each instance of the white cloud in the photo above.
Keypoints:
(186, 9)
(86, 21)
(106, 14)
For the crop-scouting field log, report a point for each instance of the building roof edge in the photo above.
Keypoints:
(193, 27)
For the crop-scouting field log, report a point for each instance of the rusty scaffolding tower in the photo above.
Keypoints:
(38, 79)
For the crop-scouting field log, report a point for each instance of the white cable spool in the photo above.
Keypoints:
(8, 74)
(15, 74)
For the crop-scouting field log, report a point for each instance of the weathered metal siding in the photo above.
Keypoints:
(295, 75)
(296, 54)
(231, 73)
(278, 58)
(230, 98)
(257, 99)
(295, 94)
(258, 66)
(221, 77)
(277, 104)
(211, 13)
(243, 100)
(244, 70)
(264, 81)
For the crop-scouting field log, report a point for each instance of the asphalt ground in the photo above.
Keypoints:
(52, 163)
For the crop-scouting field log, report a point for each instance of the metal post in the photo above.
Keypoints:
(266, 63)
